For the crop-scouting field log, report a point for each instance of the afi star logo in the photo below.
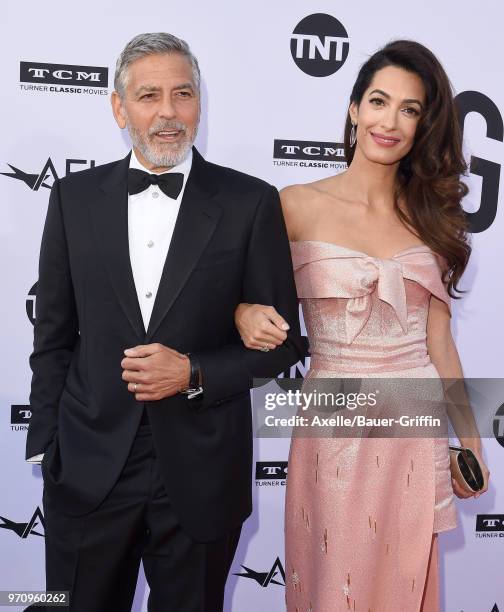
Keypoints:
(34, 181)
(46, 176)
(266, 578)
(23, 530)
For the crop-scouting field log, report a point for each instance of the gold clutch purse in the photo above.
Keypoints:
(465, 469)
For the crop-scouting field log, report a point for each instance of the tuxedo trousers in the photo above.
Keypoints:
(97, 557)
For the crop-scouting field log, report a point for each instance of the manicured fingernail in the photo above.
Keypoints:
(129, 352)
(285, 327)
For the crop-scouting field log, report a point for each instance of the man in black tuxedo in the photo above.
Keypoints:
(140, 394)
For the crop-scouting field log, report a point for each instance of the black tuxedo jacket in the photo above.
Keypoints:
(229, 246)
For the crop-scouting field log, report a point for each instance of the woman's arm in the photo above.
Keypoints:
(444, 356)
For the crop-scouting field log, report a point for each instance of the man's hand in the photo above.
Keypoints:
(154, 371)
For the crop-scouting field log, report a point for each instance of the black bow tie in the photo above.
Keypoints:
(170, 183)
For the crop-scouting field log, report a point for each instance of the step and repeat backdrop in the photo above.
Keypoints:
(276, 81)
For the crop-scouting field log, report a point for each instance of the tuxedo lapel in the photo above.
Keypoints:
(110, 220)
(197, 219)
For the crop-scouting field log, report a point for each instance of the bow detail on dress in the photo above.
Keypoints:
(326, 270)
(385, 277)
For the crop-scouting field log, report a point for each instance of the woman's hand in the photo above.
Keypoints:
(260, 327)
(444, 356)
(462, 493)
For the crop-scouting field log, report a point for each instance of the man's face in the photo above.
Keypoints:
(161, 109)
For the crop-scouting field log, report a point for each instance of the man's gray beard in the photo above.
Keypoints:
(157, 155)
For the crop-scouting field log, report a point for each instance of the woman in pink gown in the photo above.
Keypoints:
(377, 252)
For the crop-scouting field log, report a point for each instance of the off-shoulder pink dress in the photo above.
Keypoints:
(362, 513)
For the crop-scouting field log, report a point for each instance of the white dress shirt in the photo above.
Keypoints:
(151, 221)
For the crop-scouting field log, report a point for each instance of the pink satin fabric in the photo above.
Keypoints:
(361, 512)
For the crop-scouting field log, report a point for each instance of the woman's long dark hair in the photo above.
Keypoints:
(429, 176)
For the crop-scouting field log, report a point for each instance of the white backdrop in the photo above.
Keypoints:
(253, 94)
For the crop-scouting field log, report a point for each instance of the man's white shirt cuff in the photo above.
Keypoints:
(36, 458)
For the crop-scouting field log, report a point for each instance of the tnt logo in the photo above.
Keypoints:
(319, 45)
(498, 425)
(31, 304)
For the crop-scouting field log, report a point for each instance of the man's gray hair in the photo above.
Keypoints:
(152, 43)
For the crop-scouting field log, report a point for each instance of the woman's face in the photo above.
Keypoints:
(388, 115)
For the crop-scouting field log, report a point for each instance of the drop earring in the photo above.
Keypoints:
(353, 135)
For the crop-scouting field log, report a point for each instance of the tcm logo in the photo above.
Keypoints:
(20, 414)
(23, 530)
(264, 579)
(319, 45)
(271, 470)
(308, 149)
(57, 74)
(490, 522)
(498, 425)
(47, 175)
(20, 417)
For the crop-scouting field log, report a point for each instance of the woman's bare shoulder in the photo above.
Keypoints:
(304, 194)
(297, 200)
(301, 203)
(296, 192)
(308, 195)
